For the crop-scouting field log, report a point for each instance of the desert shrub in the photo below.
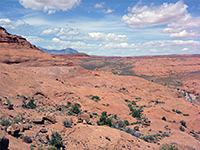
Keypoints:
(31, 104)
(104, 113)
(168, 147)
(136, 113)
(177, 111)
(120, 124)
(67, 124)
(115, 116)
(183, 123)
(52, 148)
(163, 118)
(149, 138)
(181, 128)
(56, 140)
(104, 120)
(91, 116)
(129, 105)
(69, 104)
(126, 122)
(94, 98)
(126, 100)
(75, 108)
(159, 102)
(185, 114)
(133, 103)
(19, 118)
(4, 121)
(27, 139)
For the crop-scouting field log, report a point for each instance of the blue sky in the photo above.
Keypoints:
(109, 27)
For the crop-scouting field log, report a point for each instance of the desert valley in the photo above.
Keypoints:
(77, 101)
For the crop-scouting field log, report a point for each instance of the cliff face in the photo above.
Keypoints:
(14, 40)
(16, 49)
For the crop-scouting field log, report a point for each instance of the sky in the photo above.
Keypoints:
(107, 27)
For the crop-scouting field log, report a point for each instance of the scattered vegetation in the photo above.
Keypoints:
(159, 102)
(94, 98)
(183, 123)
(30, 105)
(136, 113)
(123, 89)
(104, 120)
(163, 118)
(19, 118)
(126, 122)
(177, 111)
(4, 121)
(154, 138)
(168, 147)
(75, 108)
(56, 140)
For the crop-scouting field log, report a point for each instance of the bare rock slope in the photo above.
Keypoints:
(54, 104)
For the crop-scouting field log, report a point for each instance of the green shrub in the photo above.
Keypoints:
(126, 100)
(19, 118)
(168, 147)
(126, 122)
(56, 140)
(159, 102)
(133, 103)
(31, 104)
(163, 118)
(185, 114)
(136, 113)
(183, 123)
(75, 108)
(104, 113)
(4, 121)
(104, 120)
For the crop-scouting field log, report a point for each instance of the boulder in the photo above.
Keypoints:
(38, 120)
(52, 118)
(4, 142)
(84, 118)
(13, 130)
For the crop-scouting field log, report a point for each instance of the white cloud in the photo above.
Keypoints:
(185, 49)
(108, 11)
(35, 39)
(8, 24)
(110, 37)
(50, 6)
(140, 17)
(61, 31)
(99, 5)
(17, 27)
(69, 33)
(180, 24)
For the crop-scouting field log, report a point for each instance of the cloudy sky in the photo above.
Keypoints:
(107, 27)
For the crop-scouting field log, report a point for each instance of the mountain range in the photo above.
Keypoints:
(57, 52)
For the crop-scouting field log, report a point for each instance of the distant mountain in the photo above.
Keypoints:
(57, 52)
